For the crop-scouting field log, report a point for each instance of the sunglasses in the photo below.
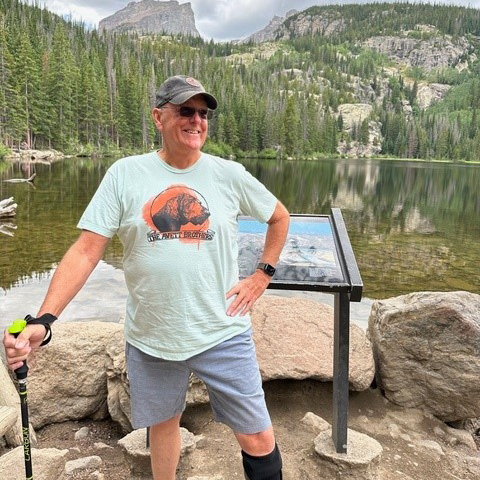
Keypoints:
(189, 112)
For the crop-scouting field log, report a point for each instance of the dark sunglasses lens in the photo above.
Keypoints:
(189, 112)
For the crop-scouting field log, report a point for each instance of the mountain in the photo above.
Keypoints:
(269, 32)
(151, 16)
(396, 79)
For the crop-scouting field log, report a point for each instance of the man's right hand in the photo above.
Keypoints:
(18, 349)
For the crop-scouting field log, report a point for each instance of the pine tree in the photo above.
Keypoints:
(291, 122)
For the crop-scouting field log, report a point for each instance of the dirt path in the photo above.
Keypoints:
(409, 439)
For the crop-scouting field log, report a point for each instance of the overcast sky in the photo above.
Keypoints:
(217, 19)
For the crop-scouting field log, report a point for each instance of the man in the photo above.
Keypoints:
(175, 211)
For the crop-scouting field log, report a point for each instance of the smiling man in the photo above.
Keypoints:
(175, 211)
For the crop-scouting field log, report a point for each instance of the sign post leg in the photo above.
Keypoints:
(341, 340)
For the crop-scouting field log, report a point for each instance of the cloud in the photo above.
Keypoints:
(226, 19)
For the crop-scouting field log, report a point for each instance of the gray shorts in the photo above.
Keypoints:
(229, 370)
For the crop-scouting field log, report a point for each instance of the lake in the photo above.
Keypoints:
(413, 225)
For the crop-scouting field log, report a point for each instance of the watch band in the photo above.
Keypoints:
(267, 268)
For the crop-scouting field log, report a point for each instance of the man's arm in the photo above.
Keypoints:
(251, 288)
(70, 276)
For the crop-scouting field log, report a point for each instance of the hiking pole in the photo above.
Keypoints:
(21, 373)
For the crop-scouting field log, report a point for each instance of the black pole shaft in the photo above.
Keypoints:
(341, 341)
(27, 451)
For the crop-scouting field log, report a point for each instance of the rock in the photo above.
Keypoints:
(269, 32)
(36, 156)
(150, 16)
(353, 114)
(304, 353)
(8, 419)
(9, 398)
(471, 425)
(431, 446)
(82, 434)
(430, 93)
(47, 464)
(473, 465)
(102, 446)
(436, 52)
(137, 455)
(361, 461)
(97, 476)
(118, 397)
(68, 380)
(326, 24)
(316, 423)
(461, 437)
(305, 348)
(76, 466)
(427, 353)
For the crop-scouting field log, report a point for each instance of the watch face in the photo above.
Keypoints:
(269, 269)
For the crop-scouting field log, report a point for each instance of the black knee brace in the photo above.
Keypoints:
(267, 467)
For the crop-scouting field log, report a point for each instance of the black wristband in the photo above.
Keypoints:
(46, 319)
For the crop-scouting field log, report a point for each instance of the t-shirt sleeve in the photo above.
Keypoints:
(255, 199)
(104, 211)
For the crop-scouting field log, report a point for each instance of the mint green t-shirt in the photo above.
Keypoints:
(179, 232)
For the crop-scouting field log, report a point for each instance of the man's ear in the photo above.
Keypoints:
(157, 118)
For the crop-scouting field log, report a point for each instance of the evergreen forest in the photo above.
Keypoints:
(81, 91)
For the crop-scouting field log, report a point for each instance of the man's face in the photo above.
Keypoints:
(182, 133)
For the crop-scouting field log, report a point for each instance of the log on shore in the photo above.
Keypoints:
(8, 208)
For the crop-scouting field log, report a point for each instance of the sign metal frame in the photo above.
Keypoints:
(346, 291)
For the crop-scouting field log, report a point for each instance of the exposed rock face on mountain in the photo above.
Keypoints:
(296, 24)
(327, 24)
(269, 32)
(437, 52)
(353, 114)
(151, 16)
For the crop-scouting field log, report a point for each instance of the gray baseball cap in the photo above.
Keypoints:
(179, 89)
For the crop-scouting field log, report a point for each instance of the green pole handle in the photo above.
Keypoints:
(16, 328)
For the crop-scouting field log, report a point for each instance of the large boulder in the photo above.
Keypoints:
(304, 349)
(83, 372)
(294, 339)
(68, 379)
(47, 464)
(427, 352)
(9, 399)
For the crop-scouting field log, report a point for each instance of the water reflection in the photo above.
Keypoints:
(413, 226)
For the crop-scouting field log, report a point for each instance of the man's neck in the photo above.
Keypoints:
(180, 160)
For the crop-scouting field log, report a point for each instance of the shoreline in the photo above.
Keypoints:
(51, 155)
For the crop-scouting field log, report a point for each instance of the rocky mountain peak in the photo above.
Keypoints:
(269, 32)
(152, 16)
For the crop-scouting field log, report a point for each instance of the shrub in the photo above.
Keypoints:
(4, 151)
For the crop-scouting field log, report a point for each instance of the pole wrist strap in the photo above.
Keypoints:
(46, 319)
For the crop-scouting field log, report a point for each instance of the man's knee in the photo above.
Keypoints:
(266, 467)
(166, 427)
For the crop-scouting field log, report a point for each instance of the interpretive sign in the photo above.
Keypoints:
(317, 256)
(309, 254)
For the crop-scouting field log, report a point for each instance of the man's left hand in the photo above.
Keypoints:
(247, 291)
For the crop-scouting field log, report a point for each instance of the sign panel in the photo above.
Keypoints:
(310, 253)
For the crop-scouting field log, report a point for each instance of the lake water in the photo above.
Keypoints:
(413, 226)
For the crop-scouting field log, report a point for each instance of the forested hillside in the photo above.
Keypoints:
(357, 80)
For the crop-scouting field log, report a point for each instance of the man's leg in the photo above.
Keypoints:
(165, 448)
(230, 372)
(261, 456)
